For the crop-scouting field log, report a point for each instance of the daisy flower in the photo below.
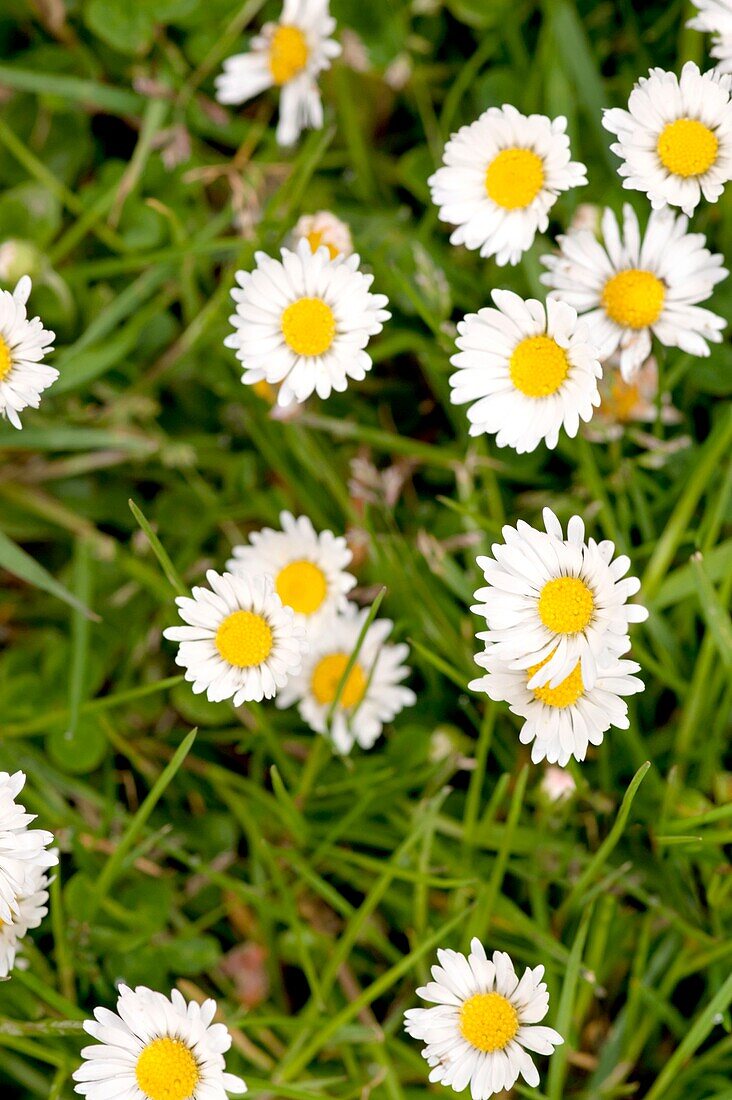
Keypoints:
(240, 642)
(31, 908)
(552, 602)
(289, 55)
(373, 692)
(715, 18)
(23, 343)
(500, 178)
(326, 229)
(156, 1048)
(632, 285)
(483, 1023)
(560, 722)
(675, 139)
(528, 369)
(305, 321)
(21, 849)
(634, 402)
(308, 569)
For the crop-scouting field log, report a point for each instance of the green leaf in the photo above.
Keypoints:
(27, 569)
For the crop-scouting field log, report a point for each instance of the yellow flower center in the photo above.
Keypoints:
(315, 239)
(634, 298)
(327, 676)
(564, 694)
(514, 178)
(621, 400)
(167, 1070)
(6, 362)
(288, 53)
(266, 391)
(488, 1021)
(244, 639)
(566, 605)
(538, 366)
(308, 326)
(302, 586)
(687, 147)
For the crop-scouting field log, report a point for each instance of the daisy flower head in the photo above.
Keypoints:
(632, 285)
(675, 138)
(715, 18)
(560, 722)
(31, 908)
(239, 641)
(305, 321)
(373, 692)
(483, 1022)
(528, 369)
(289, 55)
(156, 1048)
(308, 569)
(23, 343)
(552, 602)
(499, 179)
(326, 229)
(21, 848)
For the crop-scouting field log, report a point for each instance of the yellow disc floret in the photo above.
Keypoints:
(488, 1021)
(6, 362)
(244, 639)
(566, 605)
(538, 366)
(564, 694)
(288, 53)
(167, 1070)
(687, 147)
(301, 586)
(308, 326)
(634, 298)
(327, 676)
(315, 240)
(514, 178)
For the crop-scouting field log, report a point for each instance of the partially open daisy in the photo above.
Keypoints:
(483, 1023)
(636, 285)
(240, 643)
(561, 721)
(528, 369)
(500, 178)
(305, 321)
(675, 139)
(552, 602)
(23, 344)
(288, 55)
(715, 18)
(373, 692)
(326, 229)
(308, 569)
(22, 850)
(156, 1048)
(30, 909)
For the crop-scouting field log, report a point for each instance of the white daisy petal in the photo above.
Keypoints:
(23, 344)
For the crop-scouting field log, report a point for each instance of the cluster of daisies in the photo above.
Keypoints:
(279, 623)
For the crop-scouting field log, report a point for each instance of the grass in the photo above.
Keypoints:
(179, 847)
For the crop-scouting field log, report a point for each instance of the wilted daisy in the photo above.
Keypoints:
(528, 369)
(483, 1023)
(675, 139)
(22, 850)
(500, 178)
(326, 229)
(633, 402)
(305, 321)
(288, 55)
(560, 722)
(156, 1048)
(30, 909)
(715, 18)
(308, 569)
(23, 343)
(373, 692)
(240, 643)
(552, 602)
(637, 285)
